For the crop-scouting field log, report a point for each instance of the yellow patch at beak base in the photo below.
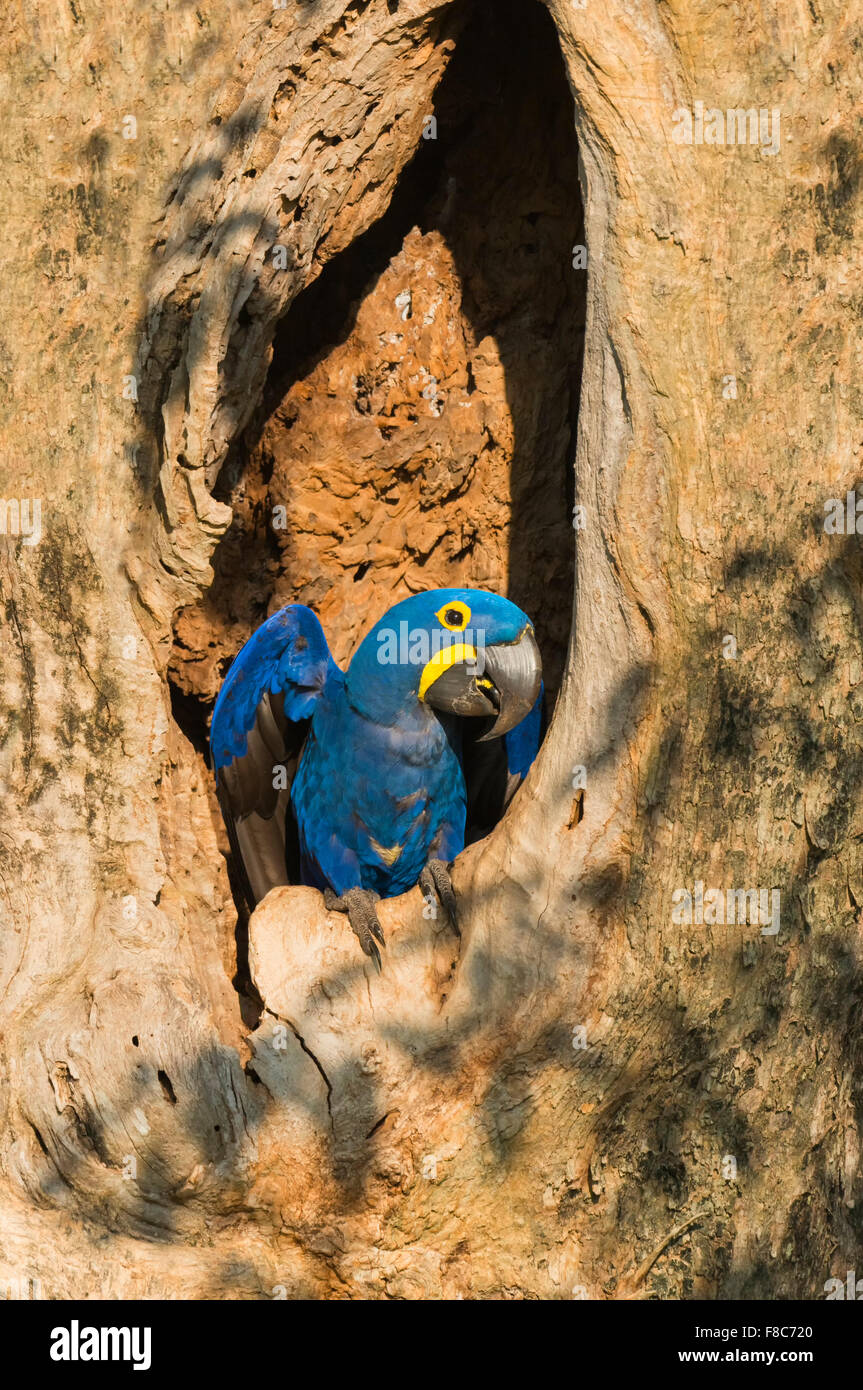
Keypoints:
(442, 661)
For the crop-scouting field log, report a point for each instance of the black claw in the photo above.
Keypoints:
(435, 878)
(359, 906)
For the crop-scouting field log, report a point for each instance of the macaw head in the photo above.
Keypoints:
(460, 651)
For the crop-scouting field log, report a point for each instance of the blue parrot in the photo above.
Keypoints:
(365, 782)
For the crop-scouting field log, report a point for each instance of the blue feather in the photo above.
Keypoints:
(287, 655)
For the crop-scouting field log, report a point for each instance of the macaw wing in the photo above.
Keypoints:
(495, 770)
(260, 722)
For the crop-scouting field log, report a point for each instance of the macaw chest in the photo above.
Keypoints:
(383, 792)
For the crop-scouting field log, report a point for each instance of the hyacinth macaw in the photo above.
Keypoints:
(365, 782)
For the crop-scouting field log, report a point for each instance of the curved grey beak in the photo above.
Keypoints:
(516, 673)
(503, 683)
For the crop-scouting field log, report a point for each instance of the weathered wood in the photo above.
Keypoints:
(439, 1130)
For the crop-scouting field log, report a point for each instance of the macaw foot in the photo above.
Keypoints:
(435, 879)
(359, 905)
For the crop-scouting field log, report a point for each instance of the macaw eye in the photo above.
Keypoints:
(455, 616)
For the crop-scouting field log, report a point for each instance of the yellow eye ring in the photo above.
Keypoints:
(454, 616)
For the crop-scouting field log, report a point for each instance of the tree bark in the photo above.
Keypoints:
(583, 1094)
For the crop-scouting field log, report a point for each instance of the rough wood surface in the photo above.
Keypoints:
(439, 1130)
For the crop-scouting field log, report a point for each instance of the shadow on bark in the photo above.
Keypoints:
(666, 1097)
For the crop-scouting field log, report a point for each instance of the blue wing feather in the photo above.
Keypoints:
(287, 656)
(261, 718)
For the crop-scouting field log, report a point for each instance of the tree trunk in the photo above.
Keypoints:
(272, 333)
